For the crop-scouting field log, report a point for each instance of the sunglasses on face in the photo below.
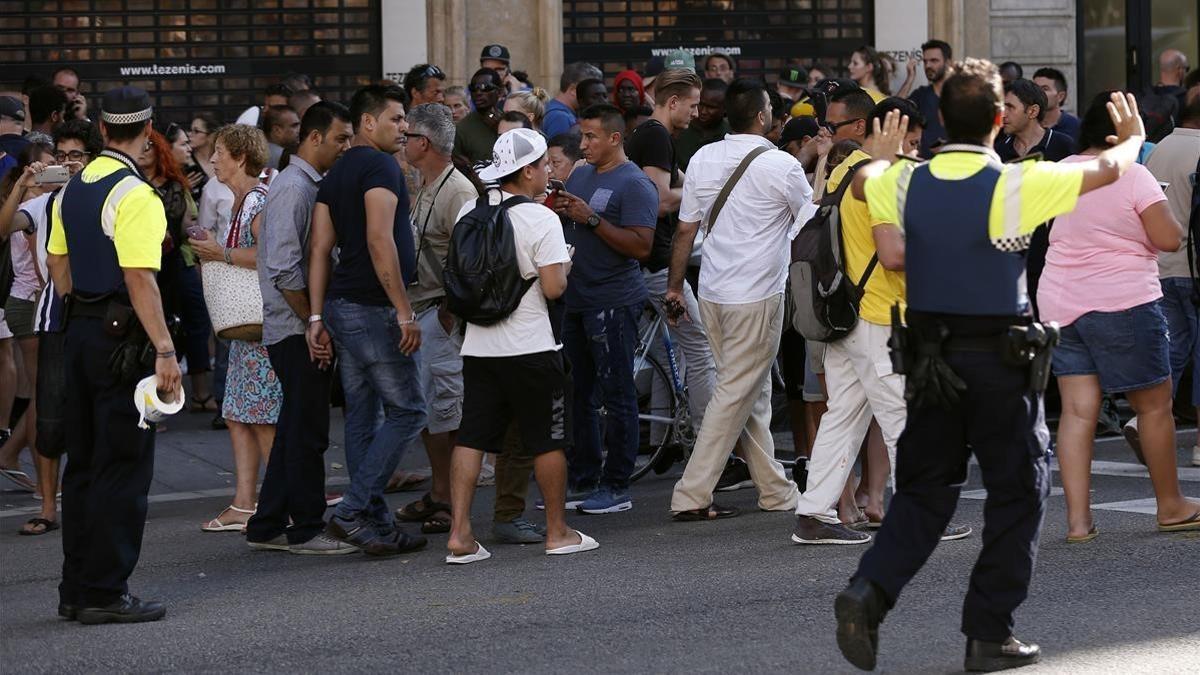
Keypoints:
(834, 126)
(485, 88)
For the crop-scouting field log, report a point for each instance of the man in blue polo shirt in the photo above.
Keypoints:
(609, 211)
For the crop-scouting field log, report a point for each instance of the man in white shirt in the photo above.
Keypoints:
(742, 279)
(514, 370)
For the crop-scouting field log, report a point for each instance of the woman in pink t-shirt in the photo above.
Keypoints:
(1101, 285)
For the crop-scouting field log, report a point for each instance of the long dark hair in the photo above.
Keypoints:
(30, 154)
(1096, 126)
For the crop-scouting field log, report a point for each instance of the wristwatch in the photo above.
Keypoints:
(593, 221)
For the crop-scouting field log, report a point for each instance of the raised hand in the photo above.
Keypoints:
(1123, 111)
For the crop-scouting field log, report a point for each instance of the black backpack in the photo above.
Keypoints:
(482, 279)
(824, 301)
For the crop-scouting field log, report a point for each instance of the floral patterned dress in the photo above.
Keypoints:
(252, 391)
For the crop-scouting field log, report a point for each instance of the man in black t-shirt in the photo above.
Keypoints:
(1024, 108)
(677, 99)
(362, 207)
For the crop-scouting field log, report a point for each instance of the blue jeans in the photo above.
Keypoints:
(1181, 329)
(374, 372)
(600, 346)
(1127, 349)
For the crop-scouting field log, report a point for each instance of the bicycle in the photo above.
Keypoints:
(665, 430)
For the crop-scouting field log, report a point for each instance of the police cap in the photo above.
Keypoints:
(126, 105)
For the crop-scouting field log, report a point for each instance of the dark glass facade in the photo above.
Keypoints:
(215, 55)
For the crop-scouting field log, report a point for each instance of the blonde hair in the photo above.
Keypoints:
(532, 103)
(244, 142)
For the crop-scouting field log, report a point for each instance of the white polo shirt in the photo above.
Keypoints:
(746, 255)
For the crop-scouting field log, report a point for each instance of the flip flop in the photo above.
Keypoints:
(20, 479)
(480, 553)
(1092, 534)
(215, 525)
(1188, 525)
(408, 483)
(713, 511)
(586, 543)
(47, 525)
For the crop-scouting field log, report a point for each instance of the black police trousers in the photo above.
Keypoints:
(294, 485)
(110, 463)
(994, 420)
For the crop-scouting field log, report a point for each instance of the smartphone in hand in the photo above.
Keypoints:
(557, 185)
(198, 233)
(52, 175)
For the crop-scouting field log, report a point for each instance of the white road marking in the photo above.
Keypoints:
(164, 498)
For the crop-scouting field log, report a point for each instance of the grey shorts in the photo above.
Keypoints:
(440, 365)
(19, 314)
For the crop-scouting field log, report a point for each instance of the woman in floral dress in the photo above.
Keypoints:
(252, 392)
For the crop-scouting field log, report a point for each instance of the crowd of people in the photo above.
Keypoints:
(346, 225)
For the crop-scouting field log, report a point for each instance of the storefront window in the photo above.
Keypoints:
(191, 48)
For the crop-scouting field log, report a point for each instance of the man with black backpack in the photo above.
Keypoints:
(858, 372)
(507, 259)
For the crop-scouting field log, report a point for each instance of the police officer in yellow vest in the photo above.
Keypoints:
(975, 362)
(105, 248)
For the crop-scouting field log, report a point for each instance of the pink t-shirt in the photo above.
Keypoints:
(1100, 257)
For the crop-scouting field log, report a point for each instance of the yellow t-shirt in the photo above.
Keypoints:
(1027, 194)
(885, 288)
(133, 217)
(876, 95)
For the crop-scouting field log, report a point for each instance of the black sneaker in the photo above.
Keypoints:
(667, 459)
(218, 423)
(859, 610)
(986, 657)
(396, 543)
(127, 609)
(955, 531)
(736, 476)
(809, 530)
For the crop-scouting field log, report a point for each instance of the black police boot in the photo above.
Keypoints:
(859, 610)
(68, 611)
(986, 657)
(127, 609)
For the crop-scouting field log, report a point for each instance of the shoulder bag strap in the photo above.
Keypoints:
(733, 180)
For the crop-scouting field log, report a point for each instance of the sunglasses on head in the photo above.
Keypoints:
(432, 71)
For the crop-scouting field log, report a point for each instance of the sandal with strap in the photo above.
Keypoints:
(45, 524)
(420, 510)
(438, 523)
(216, 525)
(712, 512)
(201, 405)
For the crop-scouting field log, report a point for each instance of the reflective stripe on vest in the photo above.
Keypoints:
(951, 263)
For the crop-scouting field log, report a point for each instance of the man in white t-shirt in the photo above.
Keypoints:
(514, 369)
(742, 278)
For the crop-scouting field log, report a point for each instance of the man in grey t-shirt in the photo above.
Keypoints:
(291, 505)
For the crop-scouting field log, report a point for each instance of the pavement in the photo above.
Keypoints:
(658, 596)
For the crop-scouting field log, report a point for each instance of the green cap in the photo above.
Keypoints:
(680, 59)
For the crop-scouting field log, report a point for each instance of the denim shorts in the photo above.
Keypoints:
(1128, 350)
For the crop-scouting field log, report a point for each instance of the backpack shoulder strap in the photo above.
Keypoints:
(836, 201)
(729, 184)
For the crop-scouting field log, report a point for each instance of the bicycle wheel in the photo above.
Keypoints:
(656, 419)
